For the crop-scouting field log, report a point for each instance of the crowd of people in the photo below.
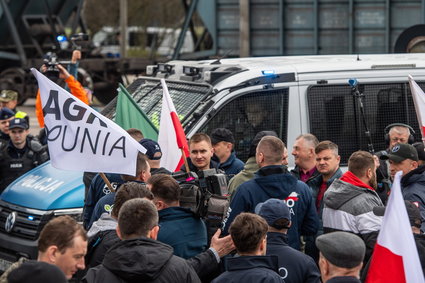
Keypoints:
(314, 223)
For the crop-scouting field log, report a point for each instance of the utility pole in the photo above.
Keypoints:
(123, 28)
(244, 29)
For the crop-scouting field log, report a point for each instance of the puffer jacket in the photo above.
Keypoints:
(350, 208)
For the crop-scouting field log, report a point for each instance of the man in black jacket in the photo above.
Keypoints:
(404, 157)
(294, 266)
(139, 257)
(249, 234)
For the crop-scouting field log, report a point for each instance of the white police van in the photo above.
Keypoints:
(290, 95)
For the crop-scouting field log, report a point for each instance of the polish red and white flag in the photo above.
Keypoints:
(171, 137)
(419, 101)
(395, 257)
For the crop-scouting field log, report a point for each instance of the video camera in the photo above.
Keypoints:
(78, 40)
(197, 189)
(51, 62)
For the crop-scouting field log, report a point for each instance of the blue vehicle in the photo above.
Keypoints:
(28, 203)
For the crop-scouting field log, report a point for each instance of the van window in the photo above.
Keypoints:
(250, 113)
(335, 115)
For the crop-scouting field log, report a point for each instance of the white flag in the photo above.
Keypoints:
(80, 138)
(171, 137)
(395, 257)
(419, 101)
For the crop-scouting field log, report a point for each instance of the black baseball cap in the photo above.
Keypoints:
(152, 147)
(401, 152)
(18, 123)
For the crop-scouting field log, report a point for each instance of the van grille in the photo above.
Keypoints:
(24, 227)
(335, 115)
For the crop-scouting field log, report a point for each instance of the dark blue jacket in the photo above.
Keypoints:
(413, 189)
(315, 184)
(247, 269)
(272, 182)
(232, 165)
(294, 266)
(98, 189)
(103, 205)
(182, 230)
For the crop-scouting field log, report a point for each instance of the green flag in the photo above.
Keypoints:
(130, 115)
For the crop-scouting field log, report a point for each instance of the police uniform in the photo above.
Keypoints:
(15, 162)
(5, 114)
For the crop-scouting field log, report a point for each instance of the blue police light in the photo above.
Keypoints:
(30, 217)
(352, 82)
(268, 73)
(61, 38)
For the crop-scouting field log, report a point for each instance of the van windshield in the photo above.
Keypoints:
(147, 93)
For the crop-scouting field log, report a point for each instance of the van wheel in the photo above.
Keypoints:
(411, 40)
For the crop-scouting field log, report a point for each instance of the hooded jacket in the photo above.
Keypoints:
(350, 208)
(294, 266)
(247, 269)
(183, 230)
(274, 182)
(246, 174)
(413, 189)
(141, 260)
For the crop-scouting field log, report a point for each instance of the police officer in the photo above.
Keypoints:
(21, 154)
(5, 116)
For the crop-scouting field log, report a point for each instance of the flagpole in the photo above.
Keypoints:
(105, 179)
(186, 164)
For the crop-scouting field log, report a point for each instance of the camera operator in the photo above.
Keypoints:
(74, 85)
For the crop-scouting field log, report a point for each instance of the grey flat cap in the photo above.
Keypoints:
(342, 249)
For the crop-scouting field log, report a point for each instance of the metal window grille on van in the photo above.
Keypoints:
(335, 115)
(186, 97)
(248, 114)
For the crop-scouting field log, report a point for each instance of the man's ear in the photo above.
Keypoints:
(153, 234)
(369, 173)
(229, 146)
(260, 157)
(415, 164)
(160, 204)
(118, 232)
(52, 253)
(263, 246)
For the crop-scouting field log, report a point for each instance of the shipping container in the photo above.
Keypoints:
(297, 27)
